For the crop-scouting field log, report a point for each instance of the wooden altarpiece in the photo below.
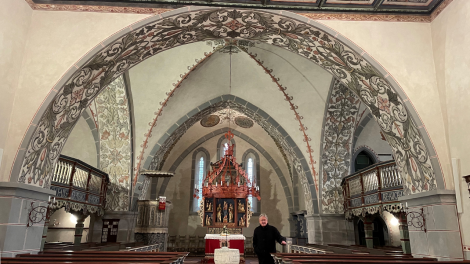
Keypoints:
(225, 193)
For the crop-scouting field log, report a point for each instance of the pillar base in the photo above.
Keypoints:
(442, 237)
(15, 236)
(329, 229)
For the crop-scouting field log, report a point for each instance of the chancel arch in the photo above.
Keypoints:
(369, 81)
(246, 138)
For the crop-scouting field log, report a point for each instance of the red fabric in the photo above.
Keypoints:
(213, 244)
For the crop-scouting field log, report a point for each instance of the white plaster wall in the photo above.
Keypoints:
(273, 200)
(405, 50)
(15, 17)
(393, 229)
(153, 78)
(56, 40)
(371, 137)
(257, 133)
(450, 42)
(64, 230)
(81, 144)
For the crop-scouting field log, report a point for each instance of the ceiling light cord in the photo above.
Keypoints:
(230, 90)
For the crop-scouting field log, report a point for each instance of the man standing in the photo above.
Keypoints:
(264, 240)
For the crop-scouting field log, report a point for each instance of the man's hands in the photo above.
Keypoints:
(283, 243)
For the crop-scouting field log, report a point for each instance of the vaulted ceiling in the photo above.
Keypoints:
(415, 7)
(307, 84)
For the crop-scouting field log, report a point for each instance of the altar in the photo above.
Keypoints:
(215, 241)
(225, 208)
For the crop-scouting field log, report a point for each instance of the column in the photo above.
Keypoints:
(369, 231)
(46, 227)
(404, 233)
(79, 228)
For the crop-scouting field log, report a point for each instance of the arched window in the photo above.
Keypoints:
(251, 166)
(222, 146)
(200, 161)
(363, 160)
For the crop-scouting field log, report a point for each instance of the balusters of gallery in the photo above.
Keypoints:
(80, 177)
(370, 180)
(74, 179)
(390, 176)
(378, 177)
(62, 172)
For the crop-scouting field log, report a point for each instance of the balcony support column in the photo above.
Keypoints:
(404, 233)
(79, 228)
(369, 231)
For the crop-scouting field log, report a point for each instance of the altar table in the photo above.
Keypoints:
(214, 241)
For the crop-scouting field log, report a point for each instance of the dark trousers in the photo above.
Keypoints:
(265, 258)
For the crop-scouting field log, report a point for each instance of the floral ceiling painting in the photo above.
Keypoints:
(46, 139)
(115, 143)
(339, 125)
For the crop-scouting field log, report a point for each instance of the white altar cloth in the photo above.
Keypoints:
(229, 237)
(226, 255)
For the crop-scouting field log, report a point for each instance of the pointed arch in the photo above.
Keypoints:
(401, 125)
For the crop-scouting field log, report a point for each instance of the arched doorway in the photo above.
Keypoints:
(361, 234)
(380, 232)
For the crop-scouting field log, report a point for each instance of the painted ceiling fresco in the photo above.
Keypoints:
(307, 40)
(115, 144)
(415, 7)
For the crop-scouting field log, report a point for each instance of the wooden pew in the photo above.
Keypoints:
(360, 261)
(99, 257)
(286, 258)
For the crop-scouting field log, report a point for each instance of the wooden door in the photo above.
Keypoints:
(110, 230)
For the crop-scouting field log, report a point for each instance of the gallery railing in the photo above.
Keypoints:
(377, 186)
(79, 186)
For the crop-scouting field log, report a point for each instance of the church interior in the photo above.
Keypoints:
(163, 131)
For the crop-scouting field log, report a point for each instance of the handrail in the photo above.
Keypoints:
(308, 250)
(78, 182)
(368, 168)
(380, 183)
(148, 248)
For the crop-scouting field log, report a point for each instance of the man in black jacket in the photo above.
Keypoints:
(264, 240)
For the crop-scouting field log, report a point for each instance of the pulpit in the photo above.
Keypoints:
(215, 241)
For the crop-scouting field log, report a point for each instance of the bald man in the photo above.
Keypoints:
(264, 240)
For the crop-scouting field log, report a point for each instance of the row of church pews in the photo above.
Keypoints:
(104, 257)
(299, 258)
(88, 246)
